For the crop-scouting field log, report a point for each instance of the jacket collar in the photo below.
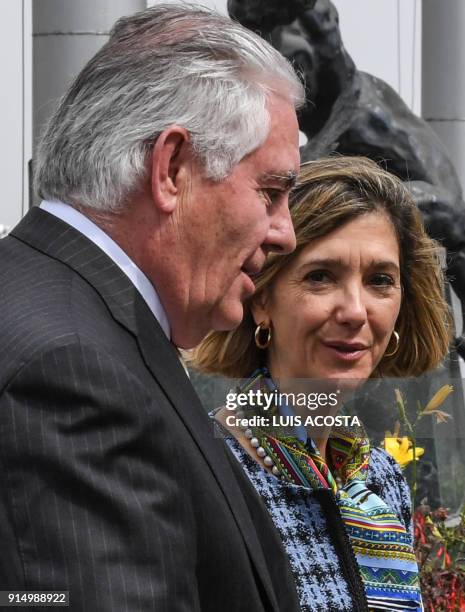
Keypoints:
(60, 241)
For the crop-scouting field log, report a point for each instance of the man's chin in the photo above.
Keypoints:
(228, 316)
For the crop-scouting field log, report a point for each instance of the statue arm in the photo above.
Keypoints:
(264, 15)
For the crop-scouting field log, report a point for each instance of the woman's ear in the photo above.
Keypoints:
(171, 159)
(259, 309)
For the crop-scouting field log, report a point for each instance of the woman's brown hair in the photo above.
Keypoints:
(330, 193)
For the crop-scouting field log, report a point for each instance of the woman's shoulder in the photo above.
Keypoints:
(384, 472)
(382, 463)
(385, 478)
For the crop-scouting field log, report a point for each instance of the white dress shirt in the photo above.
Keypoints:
(93, 232)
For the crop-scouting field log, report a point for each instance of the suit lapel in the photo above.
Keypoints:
(57, 239)
(170, 375)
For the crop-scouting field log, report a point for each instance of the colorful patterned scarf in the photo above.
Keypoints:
(380, 542)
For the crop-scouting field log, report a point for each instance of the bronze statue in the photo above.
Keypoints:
(355, 113)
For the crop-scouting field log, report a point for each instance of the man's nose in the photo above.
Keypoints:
(281, 235)
(351, 307)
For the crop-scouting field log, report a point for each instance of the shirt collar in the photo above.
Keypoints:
(93, 232)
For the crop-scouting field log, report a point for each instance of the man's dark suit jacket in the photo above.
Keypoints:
(113, 485)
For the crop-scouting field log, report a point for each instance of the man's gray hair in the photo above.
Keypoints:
(168, 65)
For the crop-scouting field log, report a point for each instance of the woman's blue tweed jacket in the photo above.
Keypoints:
(310, 528)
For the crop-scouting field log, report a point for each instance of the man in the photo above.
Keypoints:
(165, 174)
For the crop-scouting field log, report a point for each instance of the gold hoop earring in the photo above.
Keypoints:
(397, 337)
(259, 329)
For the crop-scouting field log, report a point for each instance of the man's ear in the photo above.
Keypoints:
(259, 309)
(171, 157)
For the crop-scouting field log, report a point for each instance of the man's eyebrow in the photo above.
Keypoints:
(285, 180)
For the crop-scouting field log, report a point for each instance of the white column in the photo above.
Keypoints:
(443, 78)
(443, 107)
(66, 35)
(15, 72)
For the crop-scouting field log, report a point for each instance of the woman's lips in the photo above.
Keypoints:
(346, 351)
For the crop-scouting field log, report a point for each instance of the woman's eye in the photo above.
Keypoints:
(318, 277)
(382, 280)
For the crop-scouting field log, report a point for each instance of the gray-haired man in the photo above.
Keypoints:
(165, 174)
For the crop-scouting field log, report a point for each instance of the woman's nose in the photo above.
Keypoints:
(351, 308)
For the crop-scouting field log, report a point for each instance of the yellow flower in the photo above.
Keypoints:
(438, 398)
(401, 449)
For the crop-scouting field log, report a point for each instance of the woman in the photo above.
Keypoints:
(360, 297)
